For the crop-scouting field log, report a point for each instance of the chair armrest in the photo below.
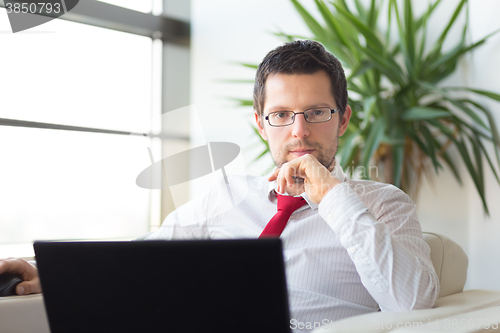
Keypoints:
(475, 321)
(23, 314)
(456, 306)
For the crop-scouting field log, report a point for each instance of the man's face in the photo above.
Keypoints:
(300, 92)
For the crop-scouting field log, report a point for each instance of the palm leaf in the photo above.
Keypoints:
(346, 151)
(289, 38)
(489, 161)
(421, 21)
(452, 21)
(450, 59)
(423, 113)
(373, 14)
(488, 94)
(361, 69)
(468, 111)
(432, 149)
(447, 159)
(333, 24)
(376, 132)
(371, 39)
(398, 155)
(361, 10)
(409, 38)
(242, 101)
(494, 130)
(462, 149)
(315, 27)
(434, 54)
(252, 66)
(478, 158)
(386, 65)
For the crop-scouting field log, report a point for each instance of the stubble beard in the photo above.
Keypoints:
(326, 158)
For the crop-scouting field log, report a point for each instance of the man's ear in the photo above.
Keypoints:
(345, 120)
(260, 124)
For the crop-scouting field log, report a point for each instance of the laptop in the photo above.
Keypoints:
(190, 286)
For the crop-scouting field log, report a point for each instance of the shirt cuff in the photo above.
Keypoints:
(340, 205)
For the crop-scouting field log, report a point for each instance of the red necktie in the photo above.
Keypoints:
(286, 206)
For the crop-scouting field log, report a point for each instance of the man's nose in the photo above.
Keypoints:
(300, 126)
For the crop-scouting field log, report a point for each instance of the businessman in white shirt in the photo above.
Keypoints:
(353, 246)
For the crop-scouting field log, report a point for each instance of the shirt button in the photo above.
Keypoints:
(329, 217)
(352, 249)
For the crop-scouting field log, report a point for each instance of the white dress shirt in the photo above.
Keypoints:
(360, 250)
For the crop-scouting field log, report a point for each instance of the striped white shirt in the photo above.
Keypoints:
(360, 250)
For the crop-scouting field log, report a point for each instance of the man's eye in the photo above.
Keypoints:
(280, 115)
(318, 112)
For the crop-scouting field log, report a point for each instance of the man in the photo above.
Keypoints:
(352, 247)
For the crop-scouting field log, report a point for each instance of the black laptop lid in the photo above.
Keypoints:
(159, 286)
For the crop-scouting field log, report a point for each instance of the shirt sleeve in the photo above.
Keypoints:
(386, 245)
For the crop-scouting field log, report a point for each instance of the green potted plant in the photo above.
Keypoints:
(403, 122)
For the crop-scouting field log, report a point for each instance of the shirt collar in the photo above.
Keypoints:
(337, 172)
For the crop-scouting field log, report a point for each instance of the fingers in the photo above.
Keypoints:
(5, 266)
(297, 172)
(288, 171)
(274, 175)
(304, 171)
(16, 266)
(288, 176)
(27, 272)
(29, 287)
(278, 176)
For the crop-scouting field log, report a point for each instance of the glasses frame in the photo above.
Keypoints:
(332, 111)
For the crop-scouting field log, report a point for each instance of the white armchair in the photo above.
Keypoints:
(450, 263)
(454, 310)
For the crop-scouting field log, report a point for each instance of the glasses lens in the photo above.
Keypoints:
(281, 118)
(318, 115)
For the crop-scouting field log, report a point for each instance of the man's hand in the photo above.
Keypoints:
(28, 273)
(317, 179)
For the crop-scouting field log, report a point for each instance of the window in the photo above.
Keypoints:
(72, 91)
(141, 6)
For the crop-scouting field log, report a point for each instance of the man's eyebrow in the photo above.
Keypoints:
(278, 108)
(284, 108)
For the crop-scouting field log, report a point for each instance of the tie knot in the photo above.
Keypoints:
(289, 204)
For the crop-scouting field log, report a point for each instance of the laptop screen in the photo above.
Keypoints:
(164, 286)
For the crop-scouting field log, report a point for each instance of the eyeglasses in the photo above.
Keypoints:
(285, 118)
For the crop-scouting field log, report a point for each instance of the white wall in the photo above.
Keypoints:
(226, 31)
(484, 232)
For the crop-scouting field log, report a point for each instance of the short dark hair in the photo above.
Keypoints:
(300, 57)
